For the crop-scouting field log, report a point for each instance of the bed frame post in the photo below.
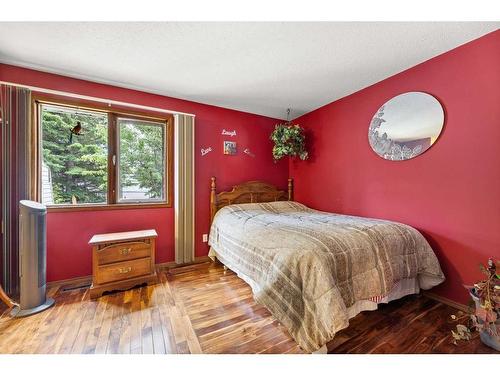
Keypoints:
(213, 199)
(290, 189)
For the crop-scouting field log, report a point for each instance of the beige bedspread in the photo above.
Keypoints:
(308, 267)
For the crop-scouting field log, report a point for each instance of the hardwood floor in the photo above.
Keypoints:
(202, 309)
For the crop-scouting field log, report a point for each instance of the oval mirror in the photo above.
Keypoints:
(406, 126)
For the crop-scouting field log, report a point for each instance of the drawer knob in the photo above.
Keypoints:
(125, 270)
(125, 251)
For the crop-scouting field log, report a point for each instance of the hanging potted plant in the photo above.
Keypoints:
(289, 140)
(486, 296)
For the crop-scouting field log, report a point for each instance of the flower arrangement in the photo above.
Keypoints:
(487, 297)
(289, 140)
(486, 316)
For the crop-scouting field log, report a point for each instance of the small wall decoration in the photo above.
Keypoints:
(205, 151)
(229, 148)
(289, 140)
(230, 133)
(249, 153)
(406, 126)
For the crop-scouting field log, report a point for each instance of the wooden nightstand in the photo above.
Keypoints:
(123, 260)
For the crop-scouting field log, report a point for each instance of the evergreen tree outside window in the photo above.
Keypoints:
(115, 158)
(79, 169)
(141, 160)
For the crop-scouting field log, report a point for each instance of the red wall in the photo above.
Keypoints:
(68, 232)
(451, 193)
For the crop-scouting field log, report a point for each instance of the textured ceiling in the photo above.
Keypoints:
(261, 68)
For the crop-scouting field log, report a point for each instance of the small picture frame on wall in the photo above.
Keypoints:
(229, 148)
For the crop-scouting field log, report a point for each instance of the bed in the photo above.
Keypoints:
(315, 270)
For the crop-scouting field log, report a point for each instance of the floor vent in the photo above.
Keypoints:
(75, 287)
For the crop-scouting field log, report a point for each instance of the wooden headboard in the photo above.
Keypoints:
(247, 192)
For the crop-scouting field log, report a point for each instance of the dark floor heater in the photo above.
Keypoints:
(32, 260)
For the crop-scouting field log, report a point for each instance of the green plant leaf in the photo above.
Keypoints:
(289, 140)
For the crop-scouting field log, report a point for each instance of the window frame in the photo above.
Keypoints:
(113, 114)
(118, 117)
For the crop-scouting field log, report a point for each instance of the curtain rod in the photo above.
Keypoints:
(95, 99)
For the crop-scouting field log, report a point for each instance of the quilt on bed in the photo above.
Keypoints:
(308, 267)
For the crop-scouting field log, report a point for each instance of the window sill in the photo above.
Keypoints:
(102, 207)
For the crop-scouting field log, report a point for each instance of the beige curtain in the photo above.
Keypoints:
(16, 156)
(184, 188)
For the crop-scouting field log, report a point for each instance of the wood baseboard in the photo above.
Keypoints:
(165, 265)
(448, 302)
(83, 280)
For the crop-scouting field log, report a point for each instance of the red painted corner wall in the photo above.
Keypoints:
(451, 193)
(68, 254)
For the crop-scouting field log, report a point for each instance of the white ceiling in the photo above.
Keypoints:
(261, 68)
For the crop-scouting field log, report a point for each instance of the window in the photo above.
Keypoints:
(141, 160)
(93, 157)
(76, 163)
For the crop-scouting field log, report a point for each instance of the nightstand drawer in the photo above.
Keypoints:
(123, 251)
(123, 270)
